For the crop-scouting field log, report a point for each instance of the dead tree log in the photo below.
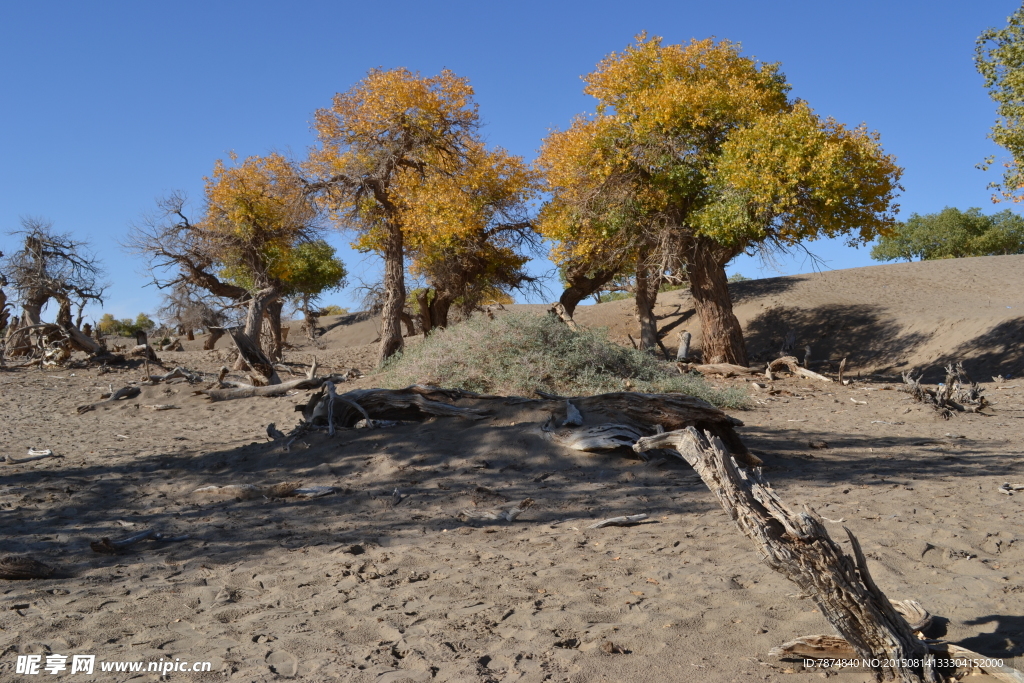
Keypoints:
(723, 369)
(683, 353)
(798, 546)
(271, 390)
(412, 403)
(14, 568)
(122, 393)
(793, 365)
(670, 412)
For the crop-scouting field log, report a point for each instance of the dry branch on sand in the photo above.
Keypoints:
(958, 394)
(109, 546)
(122, 393)
(878, 631)
(793, 365)
(499, 514)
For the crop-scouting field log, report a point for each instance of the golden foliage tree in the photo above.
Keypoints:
(699, 151)
(400, 163)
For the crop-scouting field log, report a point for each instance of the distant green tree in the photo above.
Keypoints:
(953, 233)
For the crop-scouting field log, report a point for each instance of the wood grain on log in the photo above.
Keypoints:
(671, 412)
(798, 546)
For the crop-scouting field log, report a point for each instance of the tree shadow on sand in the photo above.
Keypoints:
(858, 333)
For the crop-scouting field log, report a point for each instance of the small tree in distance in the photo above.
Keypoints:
(952, 233)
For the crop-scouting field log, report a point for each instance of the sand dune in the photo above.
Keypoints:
(367, 585)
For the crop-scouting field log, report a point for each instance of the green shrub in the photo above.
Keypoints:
(518, 353)
(333, 310)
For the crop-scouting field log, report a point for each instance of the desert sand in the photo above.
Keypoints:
(385, 581)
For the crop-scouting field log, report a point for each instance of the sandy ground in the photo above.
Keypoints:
(364, 585)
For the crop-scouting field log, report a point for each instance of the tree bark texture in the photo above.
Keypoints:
(274, 321)
(646, 295)
(798, 546)
(709, 286)
(581, 284)
(391, 341)
(254, 318)
(422, 302)
(215, 333)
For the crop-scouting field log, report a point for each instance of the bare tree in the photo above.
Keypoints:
(191, 308)
(52, 266)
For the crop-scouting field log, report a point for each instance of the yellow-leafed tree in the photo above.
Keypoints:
(699, 150)
(401, 164)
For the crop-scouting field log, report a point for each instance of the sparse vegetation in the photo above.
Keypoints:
(333, 310)
(518, 353)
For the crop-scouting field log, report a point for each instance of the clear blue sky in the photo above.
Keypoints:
(107, 106)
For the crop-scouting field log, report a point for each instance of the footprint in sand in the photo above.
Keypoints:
(283, 663)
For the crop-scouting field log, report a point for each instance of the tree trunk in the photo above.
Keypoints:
(274, 320)
(580, 285)
(709, 286)
(647, 283)
(254, 318)
(422, 302)
(190, 335)
(211, 341)
(439, 309)
(64, 312)
(391, 341)
(32, 310)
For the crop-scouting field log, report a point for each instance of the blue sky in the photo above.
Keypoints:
(108, 106)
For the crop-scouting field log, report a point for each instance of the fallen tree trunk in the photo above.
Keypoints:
(799, 547)
(670, 412)
(412, 403)
(793, 365)
(271, 390)
(724, 369)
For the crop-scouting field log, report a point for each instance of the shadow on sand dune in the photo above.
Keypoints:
(858, 333)
(746, 290)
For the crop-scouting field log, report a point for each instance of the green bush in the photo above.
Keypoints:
(518, 353)
(333, 310)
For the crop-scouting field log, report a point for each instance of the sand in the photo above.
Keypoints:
(364, 585)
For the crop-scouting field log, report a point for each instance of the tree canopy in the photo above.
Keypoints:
(999, 57)
(401, 164)
(952, 233)
(697, 152)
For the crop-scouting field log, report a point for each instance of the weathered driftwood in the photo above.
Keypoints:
(412, 403)
(958, 394)
(724, 369)
(573, 417)
(604, 437)
(627, 520)
(178, 372)
(33, 455)
(499, 514)
(798, 546)
(793, 365)
(248, 391)
(670, 412)
(252, 355)
(109, 546)
(122, 393)
(815, 647)
(144, 351)
(683, 352)
(15, 568)
(956, 652)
